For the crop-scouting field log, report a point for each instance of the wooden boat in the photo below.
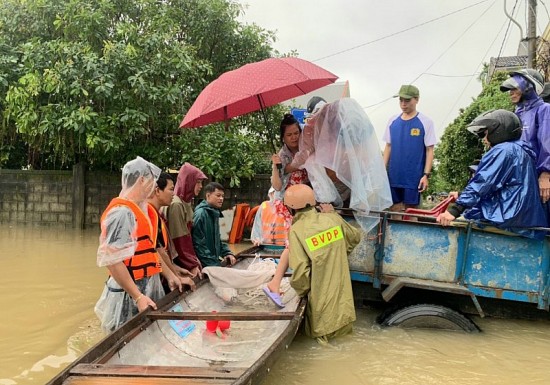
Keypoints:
(172, 346)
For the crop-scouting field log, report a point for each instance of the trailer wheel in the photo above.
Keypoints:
(428, 316)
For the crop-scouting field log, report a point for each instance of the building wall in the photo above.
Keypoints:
(46, 197)
(42, 197)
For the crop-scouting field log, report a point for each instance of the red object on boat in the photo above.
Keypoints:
(433, 212)
(212, 325)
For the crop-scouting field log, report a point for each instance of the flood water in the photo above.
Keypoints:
(50, 285)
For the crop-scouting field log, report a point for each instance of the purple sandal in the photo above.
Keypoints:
(274, 297)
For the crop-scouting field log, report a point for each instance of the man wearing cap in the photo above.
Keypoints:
(524, 87)
(409, 151)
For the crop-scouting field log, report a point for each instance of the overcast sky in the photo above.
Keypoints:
(441, 51)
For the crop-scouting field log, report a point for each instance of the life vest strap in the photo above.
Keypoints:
(132, 269)
(150, 250)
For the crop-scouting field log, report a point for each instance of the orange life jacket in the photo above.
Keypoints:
(155, 218)
(145, 262)
(273, 226)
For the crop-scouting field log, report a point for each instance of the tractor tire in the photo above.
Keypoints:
(428, 316)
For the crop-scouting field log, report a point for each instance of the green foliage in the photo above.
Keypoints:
(102, 81)
(236, 158)
(459, 148)
(240, 150)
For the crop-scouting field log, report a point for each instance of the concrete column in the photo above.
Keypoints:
(79, 198)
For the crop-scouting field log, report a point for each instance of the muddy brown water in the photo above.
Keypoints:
(51, 282)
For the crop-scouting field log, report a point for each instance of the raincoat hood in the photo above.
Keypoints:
(138, 180)
(528, 94)
(188, 176)
(535, 116)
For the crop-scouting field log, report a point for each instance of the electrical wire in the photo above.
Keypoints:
(399, 32)
(546, 9)
(504, 39)
(441, 55)
(482, 61)
(450, 76)
(454, 42)
(540, 29)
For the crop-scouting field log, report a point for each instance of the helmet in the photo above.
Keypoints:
(312, 103)
(501, 126)
(533, 76)
(299, 196)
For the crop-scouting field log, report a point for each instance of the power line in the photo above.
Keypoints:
(541, 30)
(505, 36)
(546, 9)
(454, 42)
(376, 104)
(483, 59)
(450, 76)
(399, 32)
(441, 55)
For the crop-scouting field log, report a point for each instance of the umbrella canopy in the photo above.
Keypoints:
(253, 87)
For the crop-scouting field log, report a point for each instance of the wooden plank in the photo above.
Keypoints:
(157, 371)
(259, 255)
(83, 380)
(234, 316)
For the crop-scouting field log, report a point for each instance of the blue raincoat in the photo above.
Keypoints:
(504, 191)
(534, 114)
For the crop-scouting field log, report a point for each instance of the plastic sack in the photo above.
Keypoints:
(115, 306)
(230, 282)
(239, 278)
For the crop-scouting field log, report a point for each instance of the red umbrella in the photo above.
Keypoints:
(253, 87)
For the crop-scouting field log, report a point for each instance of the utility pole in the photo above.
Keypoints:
(531, 33)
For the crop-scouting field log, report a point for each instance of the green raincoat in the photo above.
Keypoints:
(319, 248)
(206, 235)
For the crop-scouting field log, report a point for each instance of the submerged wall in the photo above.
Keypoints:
(77, 198)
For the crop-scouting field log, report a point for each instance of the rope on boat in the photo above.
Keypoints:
(256, 296)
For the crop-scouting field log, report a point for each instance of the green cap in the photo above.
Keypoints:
(408, 91)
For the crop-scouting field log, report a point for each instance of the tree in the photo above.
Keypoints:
(102, 81)
(458, 148)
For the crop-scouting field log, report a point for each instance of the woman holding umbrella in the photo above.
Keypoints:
(290, 138)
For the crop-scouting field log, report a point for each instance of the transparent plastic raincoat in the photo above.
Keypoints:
(118, 242)
(340, 140)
